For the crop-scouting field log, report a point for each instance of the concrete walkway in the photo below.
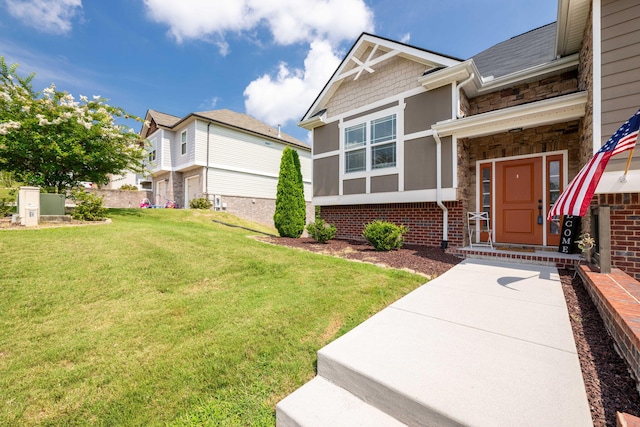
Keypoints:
(485, 344)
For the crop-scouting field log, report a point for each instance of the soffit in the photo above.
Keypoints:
(572, 21)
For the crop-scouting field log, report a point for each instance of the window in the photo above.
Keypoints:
(152, 156)
(183, 140)
(485, 189)
(554, 185)
(374, 140)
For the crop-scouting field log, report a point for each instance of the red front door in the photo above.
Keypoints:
(519, 201)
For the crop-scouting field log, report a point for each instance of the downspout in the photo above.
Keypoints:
(458, 88)
(445, 211)
(206, 172)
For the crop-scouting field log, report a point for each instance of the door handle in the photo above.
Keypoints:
(540, 220)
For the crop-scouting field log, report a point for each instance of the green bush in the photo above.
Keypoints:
(128, 187)
(89, 207)
(200, 203)
(384, 235)
(291, 210)
(7, 202)
(321, 231)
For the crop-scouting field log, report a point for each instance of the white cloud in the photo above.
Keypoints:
(405, 38)
(50, 16)
(289, 21)
(286, 96)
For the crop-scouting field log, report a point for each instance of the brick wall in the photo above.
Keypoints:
(625, 230)
(423, 219)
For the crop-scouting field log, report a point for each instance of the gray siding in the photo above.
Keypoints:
(420, 163)
(354, 186)
(326, 138)
(325, 176)
(620, 23)
(427, 108)
(384, 183)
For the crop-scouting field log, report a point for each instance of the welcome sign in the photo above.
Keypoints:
(570, 227)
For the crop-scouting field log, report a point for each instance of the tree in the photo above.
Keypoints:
(290, 215)
(51, 140)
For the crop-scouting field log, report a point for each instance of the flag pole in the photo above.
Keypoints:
(623, 178)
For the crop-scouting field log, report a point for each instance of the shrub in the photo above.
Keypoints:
(291, 210)
(7, 204)
(128, 187)
(384, 235)
(200, 203)
(89, 207)
(321, 231)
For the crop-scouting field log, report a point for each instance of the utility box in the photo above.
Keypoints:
(29, 197)
(32, 217)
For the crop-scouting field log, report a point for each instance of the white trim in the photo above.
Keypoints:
(548, 111)
(327, 154)
(448, 195)
(597, 77)
(610, 182)
(454, 161)
(418, 135)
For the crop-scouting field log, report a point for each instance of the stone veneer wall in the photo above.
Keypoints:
(257, 210)
(549, 87)
(559, 136)
(625, 230)
(423, 219)
(585, 82)
(119, 198)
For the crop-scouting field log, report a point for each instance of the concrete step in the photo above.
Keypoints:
(319, 403)
(485, 344)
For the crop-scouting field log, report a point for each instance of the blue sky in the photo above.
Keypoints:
(266, 58)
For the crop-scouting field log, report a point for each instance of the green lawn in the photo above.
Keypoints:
(166, 318)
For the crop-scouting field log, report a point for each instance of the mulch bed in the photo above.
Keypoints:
(608, 383)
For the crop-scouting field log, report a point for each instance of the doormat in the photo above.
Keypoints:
(515, 249)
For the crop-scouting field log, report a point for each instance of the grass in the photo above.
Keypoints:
(166, 318)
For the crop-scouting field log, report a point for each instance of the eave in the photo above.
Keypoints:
(539, 113)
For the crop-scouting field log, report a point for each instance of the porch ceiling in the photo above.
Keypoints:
(549, 111)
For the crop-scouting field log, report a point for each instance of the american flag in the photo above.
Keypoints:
(575, 199)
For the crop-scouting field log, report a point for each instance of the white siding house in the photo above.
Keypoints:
(228, 157)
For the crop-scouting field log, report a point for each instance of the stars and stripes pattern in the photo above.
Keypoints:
(575, 199)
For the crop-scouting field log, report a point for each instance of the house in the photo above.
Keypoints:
(228, 157)
(422, 138)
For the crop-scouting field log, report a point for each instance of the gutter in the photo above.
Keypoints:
(445, 211)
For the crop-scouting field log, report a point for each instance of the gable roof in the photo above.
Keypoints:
(227, 118)
(521, 52)
(247, 123)
(367, 53)
(163, 119)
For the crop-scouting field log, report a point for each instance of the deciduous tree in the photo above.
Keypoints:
(49, 139)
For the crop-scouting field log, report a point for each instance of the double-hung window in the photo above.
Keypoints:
(183, 140)
(370, 145)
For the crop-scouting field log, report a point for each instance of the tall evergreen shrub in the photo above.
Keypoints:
(290, 215)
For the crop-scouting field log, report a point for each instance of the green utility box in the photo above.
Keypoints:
(51, 204)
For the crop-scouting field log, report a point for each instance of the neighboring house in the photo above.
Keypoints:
(421, 138)
(230, 158)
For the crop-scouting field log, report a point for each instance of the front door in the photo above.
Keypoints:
(519, 217)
